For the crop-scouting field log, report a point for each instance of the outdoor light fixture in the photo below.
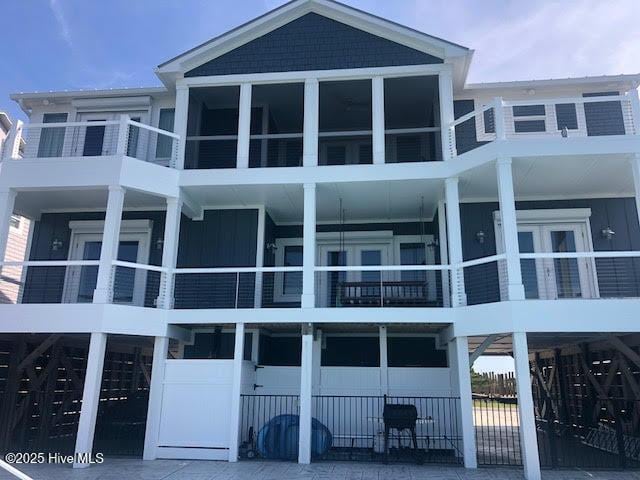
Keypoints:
(607, 233)
(159, 243)
(271, 247)
(480, 235)
(56, 244)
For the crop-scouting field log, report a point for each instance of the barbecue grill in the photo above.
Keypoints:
(399, 418)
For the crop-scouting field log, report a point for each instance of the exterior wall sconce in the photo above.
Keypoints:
(159, 243)
(607, 233)
(56, 244)
(271, 247)
(480, 236)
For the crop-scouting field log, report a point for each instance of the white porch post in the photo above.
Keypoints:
(7, 201)
(236, 390)
(528, 438)
(90, 396)
(635, 110)
(384, 361)
(109, 248)
(377, 121)
(461, 370)
(498, 118)
(444, 253)
(154, 410)
(257, 294)
(509, 228)
(445, 91)
(310, 135)
(309, 246)
(11, 146)
(635, 167)
(306, 389)
(123, 135)
(244, 126)
(317, 356)
(180, 118)
(170, 250)
(454, 239)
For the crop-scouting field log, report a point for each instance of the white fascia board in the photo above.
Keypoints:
(235, 38)
(632, 80)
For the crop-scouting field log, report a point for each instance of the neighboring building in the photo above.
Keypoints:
(315, 215)
(19, 228)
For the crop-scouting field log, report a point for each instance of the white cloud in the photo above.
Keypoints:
(61, 20)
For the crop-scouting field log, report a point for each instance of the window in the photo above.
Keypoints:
(529, 118)
(566, 116)
(165, 122)
(604, 118)
(413, 254)
(280, 351)
(52, 138)
(216, 345)
(351, 352)
(415, 352)
(292, 281)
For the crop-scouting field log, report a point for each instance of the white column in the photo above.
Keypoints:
(311, 112)
(154, 410)
(110, 240)
(257, 294)
(377, 121)
(498, 118)
(7, 201)
(181, 116)
(236, 390)
(317, 357)
(170, 250)
(123, 135)
(445, 92)
(635, 110)
(528, 438)
(309, 246)
(244, 126)
(454, 239)
(635, 167)
(509, 224)
(11, 147)
(384, 361)
(459, 357)
(306, 388)
(90, 396)
(444, 253)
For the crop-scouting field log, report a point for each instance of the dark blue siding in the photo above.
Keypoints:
(466, 138)
(312, 42)
(617, 213)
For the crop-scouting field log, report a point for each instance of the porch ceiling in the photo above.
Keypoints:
(537, 341)
(573, 177)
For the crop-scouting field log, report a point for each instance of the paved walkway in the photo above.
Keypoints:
(129, 469)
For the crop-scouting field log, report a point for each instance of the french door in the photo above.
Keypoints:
(98, 140)
(551, 278)
(362, 254)
(129, 283)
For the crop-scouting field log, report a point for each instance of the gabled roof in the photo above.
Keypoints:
(174, 68)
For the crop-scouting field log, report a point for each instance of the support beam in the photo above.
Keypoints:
(170, 251)
(309, 246)
(110, 241)
(454, 238)
(244, 126)
(90, 396)
(236, 390)
(509, 222)
(154, 410)
(626, 350)
(445, 92)
(528, 438)
(7, 201)
(306, 376)
(384, 361)
(482, 347)
(180, 122)
(311, 112)
(377, 102)
(459, 356)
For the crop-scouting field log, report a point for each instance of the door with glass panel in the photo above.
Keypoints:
(128, 283)
(551, 278)
(97, 140)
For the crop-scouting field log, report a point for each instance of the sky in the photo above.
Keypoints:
(80, 44)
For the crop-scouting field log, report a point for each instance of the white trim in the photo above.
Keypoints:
(544, 215)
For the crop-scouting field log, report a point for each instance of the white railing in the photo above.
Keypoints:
(137, 284)
(101, 138)
(546, 118)
(481, 280)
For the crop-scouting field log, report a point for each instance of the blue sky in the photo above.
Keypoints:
(71, 44)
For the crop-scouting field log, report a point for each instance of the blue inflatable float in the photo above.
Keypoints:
(278, 438)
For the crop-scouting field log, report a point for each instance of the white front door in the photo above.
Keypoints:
(552, 278)
(129, 283)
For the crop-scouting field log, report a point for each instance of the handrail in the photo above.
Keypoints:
(601, 254)
(480, 261)
(236, 270)
(72, 124)
(471, 114)
(50, 263)
(142, 266)
(381, 268)
(153, 129)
